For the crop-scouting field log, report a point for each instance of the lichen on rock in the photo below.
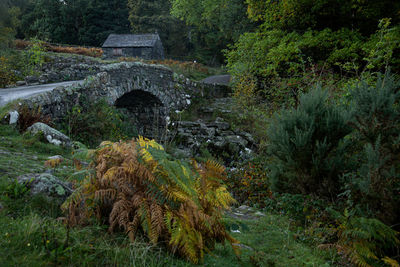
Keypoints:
(47, 184)
(52, 135)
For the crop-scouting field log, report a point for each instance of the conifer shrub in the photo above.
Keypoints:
(137, 187)
(307, 146)
(309, 152)
(374, 187)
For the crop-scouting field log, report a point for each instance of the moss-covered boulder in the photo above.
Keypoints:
(47, 184)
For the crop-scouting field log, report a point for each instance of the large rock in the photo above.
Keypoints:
(20, 83)
(220, 124)
(217, 137)
(31, 80)
(218, 79)
(11, 118)
(237, 140)
(14, 115)
(52, 135)
(47, 184)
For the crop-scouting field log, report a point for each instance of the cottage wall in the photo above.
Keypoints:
(140, 52)
(158, 50)
(145, 52)
(107, 52)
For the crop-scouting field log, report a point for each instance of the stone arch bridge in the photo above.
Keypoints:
(147, 93)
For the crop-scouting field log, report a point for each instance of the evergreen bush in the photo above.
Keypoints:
(375, 186)
(307, 146)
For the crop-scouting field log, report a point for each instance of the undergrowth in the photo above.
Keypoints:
(92, 51)
(138, 188)
(33, 233)
(331, 164)
(91, 123)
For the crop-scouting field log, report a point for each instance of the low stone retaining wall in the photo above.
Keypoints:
(216, 137)
(60, 69)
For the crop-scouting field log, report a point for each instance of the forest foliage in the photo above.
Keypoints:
(346, 38)
(289, 32)
(200, 36)
(154, 16)
(347, 153)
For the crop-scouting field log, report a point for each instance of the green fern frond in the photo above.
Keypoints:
(363, 239)
(390, 262)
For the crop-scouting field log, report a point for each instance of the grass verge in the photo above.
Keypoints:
(32, 232)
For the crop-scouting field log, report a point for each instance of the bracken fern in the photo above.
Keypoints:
(138, 187)
(364, 241)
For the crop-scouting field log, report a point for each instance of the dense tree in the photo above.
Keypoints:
(102, 18)
(343, 36)
(9, 20)
(154, 16)
(214, 24)
(300, 15)
(46, 21)
(73, 13)
(89, 22)
(76, 21)
(5, 31)
(196, 29)
(228, 18)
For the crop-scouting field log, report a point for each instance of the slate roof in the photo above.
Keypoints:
(131, 40)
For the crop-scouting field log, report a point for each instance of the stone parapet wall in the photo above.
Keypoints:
(61, 68)
(113, 81)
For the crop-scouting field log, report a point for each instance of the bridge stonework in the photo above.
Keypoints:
(129, 83)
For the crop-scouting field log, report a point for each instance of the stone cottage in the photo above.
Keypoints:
(145, 46)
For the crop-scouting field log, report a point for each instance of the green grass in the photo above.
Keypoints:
(37, 240)
(274, 244)
(20, 154)
(33, 240)
(32, 232)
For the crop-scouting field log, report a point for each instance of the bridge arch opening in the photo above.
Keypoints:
(145, 111)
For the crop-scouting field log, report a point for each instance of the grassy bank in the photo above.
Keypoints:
(33, 234)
